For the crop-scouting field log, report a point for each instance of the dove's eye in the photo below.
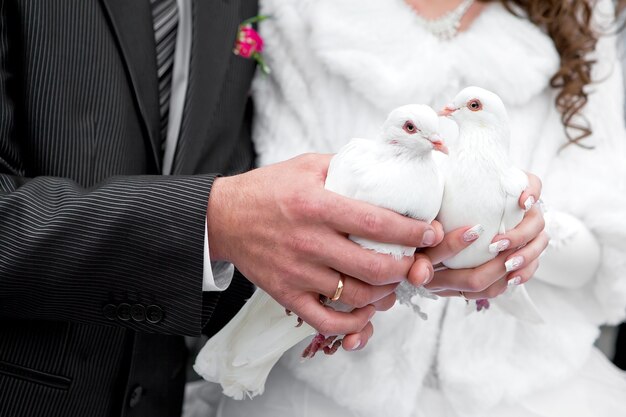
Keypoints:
(475, 105)
(410, 128)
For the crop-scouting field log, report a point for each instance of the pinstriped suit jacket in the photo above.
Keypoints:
(100, 257)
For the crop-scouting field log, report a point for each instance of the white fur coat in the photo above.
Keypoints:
(338, 67)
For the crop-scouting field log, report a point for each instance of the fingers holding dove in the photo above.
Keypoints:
(519, 248)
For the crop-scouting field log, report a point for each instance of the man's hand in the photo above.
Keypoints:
(288, 235)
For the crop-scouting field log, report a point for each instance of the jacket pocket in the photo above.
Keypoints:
(35, 376)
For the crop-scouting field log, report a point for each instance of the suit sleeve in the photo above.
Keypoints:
(127, 251)
(74, 254)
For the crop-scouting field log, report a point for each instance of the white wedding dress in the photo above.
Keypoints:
(338, 67)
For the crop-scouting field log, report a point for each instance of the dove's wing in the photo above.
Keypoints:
(514, 181)
(515, 301)
(348, 175)
(346, 170)
(362, 170)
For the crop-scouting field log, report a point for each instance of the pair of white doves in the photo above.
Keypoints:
(480, 187)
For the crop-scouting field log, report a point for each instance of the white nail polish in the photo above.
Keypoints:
(514, 281)
(431, 275)
(514, 263)
(499, 246)
(474, 233)
(529, 203)
(358, 343)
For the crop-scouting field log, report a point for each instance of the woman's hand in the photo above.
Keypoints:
(511, 267)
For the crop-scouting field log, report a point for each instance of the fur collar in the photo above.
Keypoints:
(341, 36)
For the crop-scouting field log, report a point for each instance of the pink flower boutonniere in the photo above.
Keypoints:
(249, 43)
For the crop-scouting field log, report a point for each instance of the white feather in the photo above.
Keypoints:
(242, 354)
(369, 171)
(482, 187)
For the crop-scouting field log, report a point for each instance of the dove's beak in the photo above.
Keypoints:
(438, 144)
(447, 111)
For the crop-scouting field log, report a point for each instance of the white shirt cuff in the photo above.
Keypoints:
(216, 275)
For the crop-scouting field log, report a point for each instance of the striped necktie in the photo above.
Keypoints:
(165, 18)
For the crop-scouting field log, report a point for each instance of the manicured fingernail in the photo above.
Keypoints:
(428, 238)
(499, 246)
(514, 281)
(529, 203)
(356, 346)
(430, 272)
(514, 263)
(474, 233)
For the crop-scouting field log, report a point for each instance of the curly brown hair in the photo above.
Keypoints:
(569, 24)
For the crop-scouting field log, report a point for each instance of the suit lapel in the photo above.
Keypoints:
(215, 24)
(131, 21)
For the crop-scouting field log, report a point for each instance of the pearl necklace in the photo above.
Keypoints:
(447, 26)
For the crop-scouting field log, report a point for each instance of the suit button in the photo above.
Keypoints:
(138, 312)
(154, 314)
(123, 311)
(135, 396)
(110, 311)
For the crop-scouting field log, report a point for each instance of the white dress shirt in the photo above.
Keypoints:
(217, 275)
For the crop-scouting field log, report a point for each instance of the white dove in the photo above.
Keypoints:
(395, 171)
(482, 187)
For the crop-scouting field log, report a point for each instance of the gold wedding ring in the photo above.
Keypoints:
(339, 289)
